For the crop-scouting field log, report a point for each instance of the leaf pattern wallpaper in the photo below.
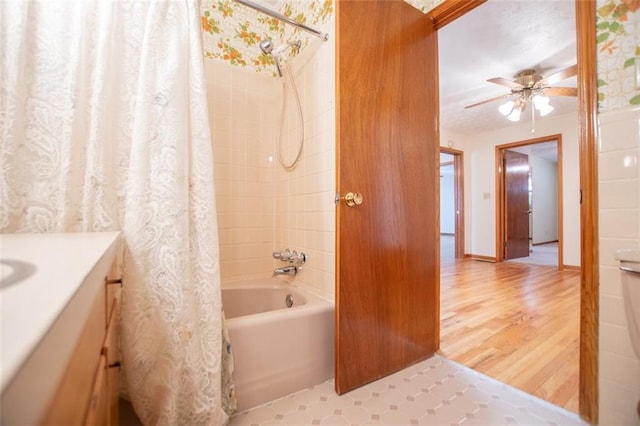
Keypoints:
(233, 32)
(618, 44)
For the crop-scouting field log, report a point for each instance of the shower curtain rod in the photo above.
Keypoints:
(267, 11)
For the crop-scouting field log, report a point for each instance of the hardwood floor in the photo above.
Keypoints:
(514, 322)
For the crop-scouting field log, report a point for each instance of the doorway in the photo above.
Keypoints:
(451, 204)
(529, 199)
(588, 162)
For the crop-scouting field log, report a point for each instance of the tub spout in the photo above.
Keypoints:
(287, 270)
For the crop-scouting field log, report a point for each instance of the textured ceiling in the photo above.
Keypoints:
(498, 39)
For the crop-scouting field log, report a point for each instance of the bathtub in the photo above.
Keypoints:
(277, 350)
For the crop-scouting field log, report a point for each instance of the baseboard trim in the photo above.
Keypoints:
(544, 242)
(480, 258)
(571, 267)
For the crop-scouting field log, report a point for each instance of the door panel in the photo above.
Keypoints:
(516, 166)
(387, 149)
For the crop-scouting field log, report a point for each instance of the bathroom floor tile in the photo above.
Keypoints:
(435, 391)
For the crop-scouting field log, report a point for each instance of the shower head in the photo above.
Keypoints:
(278, 53)
(266, 46)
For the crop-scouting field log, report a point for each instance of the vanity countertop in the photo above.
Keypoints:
(48, 270)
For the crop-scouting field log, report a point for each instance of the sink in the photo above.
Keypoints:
(13, 271)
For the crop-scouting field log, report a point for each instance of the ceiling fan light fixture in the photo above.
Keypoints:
(542, 105)
(515, 115)
(539, 101)
(506, 108)
(545, 109)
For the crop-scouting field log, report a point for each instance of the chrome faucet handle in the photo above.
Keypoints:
(298, 259)
(284, 255)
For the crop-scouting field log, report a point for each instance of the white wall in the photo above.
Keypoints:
(479, 181)
(619, 205)
(447, 200)
(544, 177)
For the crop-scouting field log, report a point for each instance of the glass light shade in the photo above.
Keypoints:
(515, 115)
(545, 109)
(539, 101)
(506, 108)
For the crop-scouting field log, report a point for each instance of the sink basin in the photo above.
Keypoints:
(13, 271)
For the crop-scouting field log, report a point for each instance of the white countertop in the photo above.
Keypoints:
(29, 307)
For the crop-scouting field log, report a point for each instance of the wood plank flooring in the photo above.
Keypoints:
(514, 322)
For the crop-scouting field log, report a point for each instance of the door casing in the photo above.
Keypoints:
(458, 184)
(500, 204)
(450, 10)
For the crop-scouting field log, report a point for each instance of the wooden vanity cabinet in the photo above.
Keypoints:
(60, 357)
(88, 393)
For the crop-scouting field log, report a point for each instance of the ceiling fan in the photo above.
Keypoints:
(527, 86)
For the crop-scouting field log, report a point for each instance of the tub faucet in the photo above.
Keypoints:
(287, 270)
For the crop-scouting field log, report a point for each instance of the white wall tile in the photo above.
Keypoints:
(617, 404)
(619, 190)
(622, 370)
(619, 194)
(616, 339)
(619, 223)
(618, 165)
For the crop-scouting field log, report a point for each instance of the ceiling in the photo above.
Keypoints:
(498, 39)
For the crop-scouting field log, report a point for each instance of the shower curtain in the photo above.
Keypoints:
(104, 126)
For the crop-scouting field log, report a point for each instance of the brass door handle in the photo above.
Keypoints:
(353, 199)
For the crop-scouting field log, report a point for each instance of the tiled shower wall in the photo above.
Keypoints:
(242, 114)
(261, 207)
(619, 193)
(305, 210)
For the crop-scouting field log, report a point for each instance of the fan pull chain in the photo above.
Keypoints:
(533, 119)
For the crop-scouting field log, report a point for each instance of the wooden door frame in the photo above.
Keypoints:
(500, 198)
(458, 191)
(450, 10)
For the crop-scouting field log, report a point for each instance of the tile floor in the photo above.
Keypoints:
(433, 392)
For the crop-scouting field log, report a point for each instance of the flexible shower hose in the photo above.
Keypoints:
(289, 76)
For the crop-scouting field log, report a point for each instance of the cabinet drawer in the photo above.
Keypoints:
(99, 402)
(112, 353)
(113, 288)
(110, 348)
(69, 406)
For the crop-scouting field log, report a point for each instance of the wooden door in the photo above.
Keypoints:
(516, 205)
(387, 257)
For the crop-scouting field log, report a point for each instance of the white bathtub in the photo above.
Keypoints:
(277, 350)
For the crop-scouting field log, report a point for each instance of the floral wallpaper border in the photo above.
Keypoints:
(618, 33)
(424, 6)
(233, 32)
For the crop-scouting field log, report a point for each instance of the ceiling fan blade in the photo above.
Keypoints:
(559, 76)
(561, 91)
(504, 82)
(487, 101)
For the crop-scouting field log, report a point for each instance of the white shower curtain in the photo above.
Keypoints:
(104, 127)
